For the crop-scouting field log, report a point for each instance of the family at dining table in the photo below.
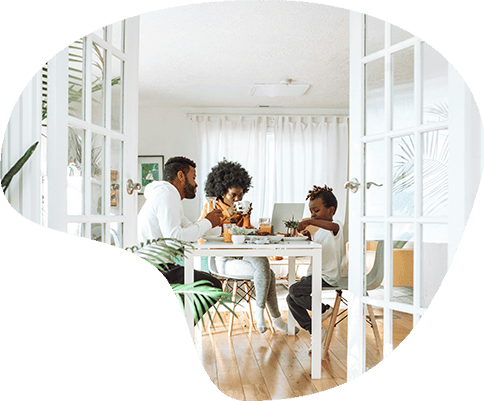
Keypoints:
(162, 216)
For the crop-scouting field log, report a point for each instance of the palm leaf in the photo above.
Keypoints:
(7, 179)
(201, 294)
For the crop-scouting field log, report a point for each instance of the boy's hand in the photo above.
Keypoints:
(306, 233)
(303, 224)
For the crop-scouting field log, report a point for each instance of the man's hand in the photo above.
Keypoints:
(215, 217)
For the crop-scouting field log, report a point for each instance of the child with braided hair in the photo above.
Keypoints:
(322, 205)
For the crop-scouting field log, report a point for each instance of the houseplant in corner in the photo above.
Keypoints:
(163, 251)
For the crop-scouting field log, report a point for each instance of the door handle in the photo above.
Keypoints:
(131, 186)
(369, 184)
(352, 185)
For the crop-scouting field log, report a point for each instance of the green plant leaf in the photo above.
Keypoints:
(201, 294)
(7, 179)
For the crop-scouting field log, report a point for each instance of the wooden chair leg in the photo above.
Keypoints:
(247, 288)
(231, 321)
(214, 313)
(376, 333)
(332, 322)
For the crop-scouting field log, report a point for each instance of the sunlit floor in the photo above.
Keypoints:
(253, 366)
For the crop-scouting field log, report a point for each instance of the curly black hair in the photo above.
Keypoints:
(225, 175)
(326, 195)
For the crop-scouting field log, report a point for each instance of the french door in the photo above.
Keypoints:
(399, 165)
(92, 138)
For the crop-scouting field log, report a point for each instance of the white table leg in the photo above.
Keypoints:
(189, 265)
(291, 279)
(316, 316)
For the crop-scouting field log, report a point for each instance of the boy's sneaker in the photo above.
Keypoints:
(323, 336)
(326, 314)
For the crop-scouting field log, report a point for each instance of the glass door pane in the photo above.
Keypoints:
(435, 165)
(98, 84)
(118, 35)
(375, 194)
(116, 177)
(75, 171)
(403, 176)
(76, 79)
(97, 232)
(434, 260)
(435, 86)
(97, 174)
(117, 85)
(374, 34)
(403, 91)
(402, 286)
(399, 35)
(116, 234)
(374, 275)
(375, 97)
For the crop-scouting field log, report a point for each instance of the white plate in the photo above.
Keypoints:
(271, 238)
(295, 238)
(213, 237)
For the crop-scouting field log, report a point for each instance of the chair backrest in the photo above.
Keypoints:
(375, 276)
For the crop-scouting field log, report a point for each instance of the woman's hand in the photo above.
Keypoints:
(232, 210)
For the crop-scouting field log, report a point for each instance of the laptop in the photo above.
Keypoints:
(285, 211)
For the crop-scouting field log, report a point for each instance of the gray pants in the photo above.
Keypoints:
(263, 276)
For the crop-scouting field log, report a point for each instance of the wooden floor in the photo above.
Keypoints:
(253, 366)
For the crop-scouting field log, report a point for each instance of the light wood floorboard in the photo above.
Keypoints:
(254, 366)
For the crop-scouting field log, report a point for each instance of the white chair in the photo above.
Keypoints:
(373, 280)
(243, 293)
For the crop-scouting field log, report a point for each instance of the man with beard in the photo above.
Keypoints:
(162, 214)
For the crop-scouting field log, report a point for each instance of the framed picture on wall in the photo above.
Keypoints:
(150, 168)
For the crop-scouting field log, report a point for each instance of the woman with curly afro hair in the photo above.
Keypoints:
(228, 182)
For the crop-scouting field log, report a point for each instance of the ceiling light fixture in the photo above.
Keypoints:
(284, 88)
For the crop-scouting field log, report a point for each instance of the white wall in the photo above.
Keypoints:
(168, 132)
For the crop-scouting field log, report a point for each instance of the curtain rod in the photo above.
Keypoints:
(263, 115)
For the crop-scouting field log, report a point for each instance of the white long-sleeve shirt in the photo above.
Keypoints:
(162, 215)
(332, 253)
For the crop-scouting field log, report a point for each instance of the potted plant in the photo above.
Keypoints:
(239, 233)
(160, 253)
(291, 226)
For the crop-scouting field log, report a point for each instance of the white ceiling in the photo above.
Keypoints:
(210, 55)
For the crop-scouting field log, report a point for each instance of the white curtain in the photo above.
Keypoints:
(310, 151)
(301, 152)
(237, 138)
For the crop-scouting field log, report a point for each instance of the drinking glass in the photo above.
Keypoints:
(265, 224)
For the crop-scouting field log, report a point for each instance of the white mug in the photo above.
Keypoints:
(242, 206)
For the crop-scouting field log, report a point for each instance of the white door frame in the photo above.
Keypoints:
(465, 134)
(57, 140)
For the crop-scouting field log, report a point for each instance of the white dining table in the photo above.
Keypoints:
(291, 249)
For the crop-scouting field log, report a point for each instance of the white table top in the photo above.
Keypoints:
(285, 244)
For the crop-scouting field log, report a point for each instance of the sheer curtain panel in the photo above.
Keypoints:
(310, 151)
(237, 138)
